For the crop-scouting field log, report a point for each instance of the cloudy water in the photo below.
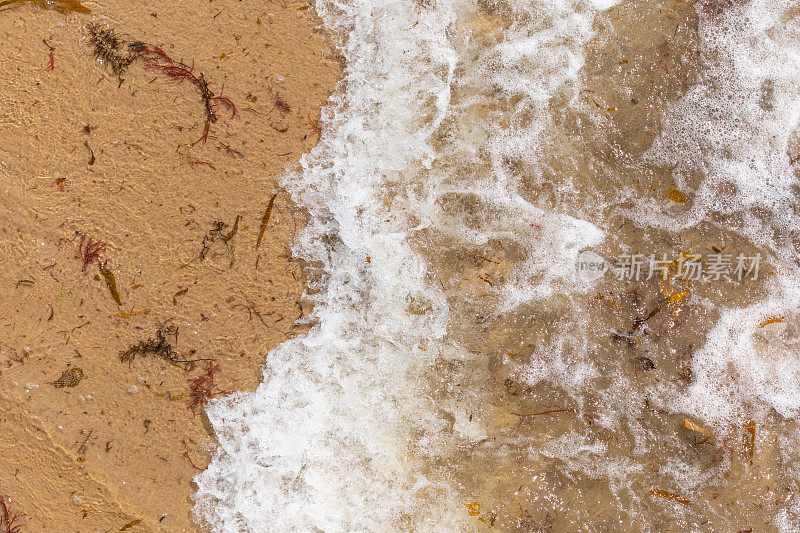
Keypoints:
(553, 256)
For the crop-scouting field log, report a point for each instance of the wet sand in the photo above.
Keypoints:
(84, 152)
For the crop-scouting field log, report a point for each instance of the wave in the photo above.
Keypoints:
(471, 152)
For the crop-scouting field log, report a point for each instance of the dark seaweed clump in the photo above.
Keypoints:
(158, 346)
(113, 50)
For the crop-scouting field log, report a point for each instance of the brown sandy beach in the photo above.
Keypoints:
(92, 439)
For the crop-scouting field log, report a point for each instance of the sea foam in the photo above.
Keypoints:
(734, 127)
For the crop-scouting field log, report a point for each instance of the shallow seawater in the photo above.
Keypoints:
(553, 255)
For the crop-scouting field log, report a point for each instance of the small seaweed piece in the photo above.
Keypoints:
(213, 234)
(265, 220)
(772, 320)
(670, 496)
(645, 364)
(316, 128)
(120, 54)
(159, 346)
(281, 104)
(750, 439)
(111, 49)
(84, 447)
(688, 424)
(156, 58)
(89, 250)
(62, 6)
(191, 160)
(203, 388)
(69, 378)
(233, 231)
(677, 297)
(231, 151)
(216, 233)
(130, 524)
(676, 196)
(186, 454)
(91, 153)
(251, 310)
(134, 313)
(179, 293)
(51, 65)
(111, 281)
(170, 397)
(7, 520)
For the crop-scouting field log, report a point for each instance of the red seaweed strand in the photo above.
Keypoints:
(155, 57)
(89, 250)
(7, 520)
(203, 388)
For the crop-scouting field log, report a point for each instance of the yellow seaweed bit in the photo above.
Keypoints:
(750, 438)
(62, 6)
(130, 524)
(677, 297)
(663, 287)
(265, 220)
(670, 496)
(132, 313)
(676, 196)
(69, 378)
(111, 282)
(694, 427)
(772, 320)
(473, 509)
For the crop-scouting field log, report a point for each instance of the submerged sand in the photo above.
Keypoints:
(84, 152)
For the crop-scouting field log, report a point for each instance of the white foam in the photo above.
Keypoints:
(738, 378)
(734, 127)
(602, 5)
